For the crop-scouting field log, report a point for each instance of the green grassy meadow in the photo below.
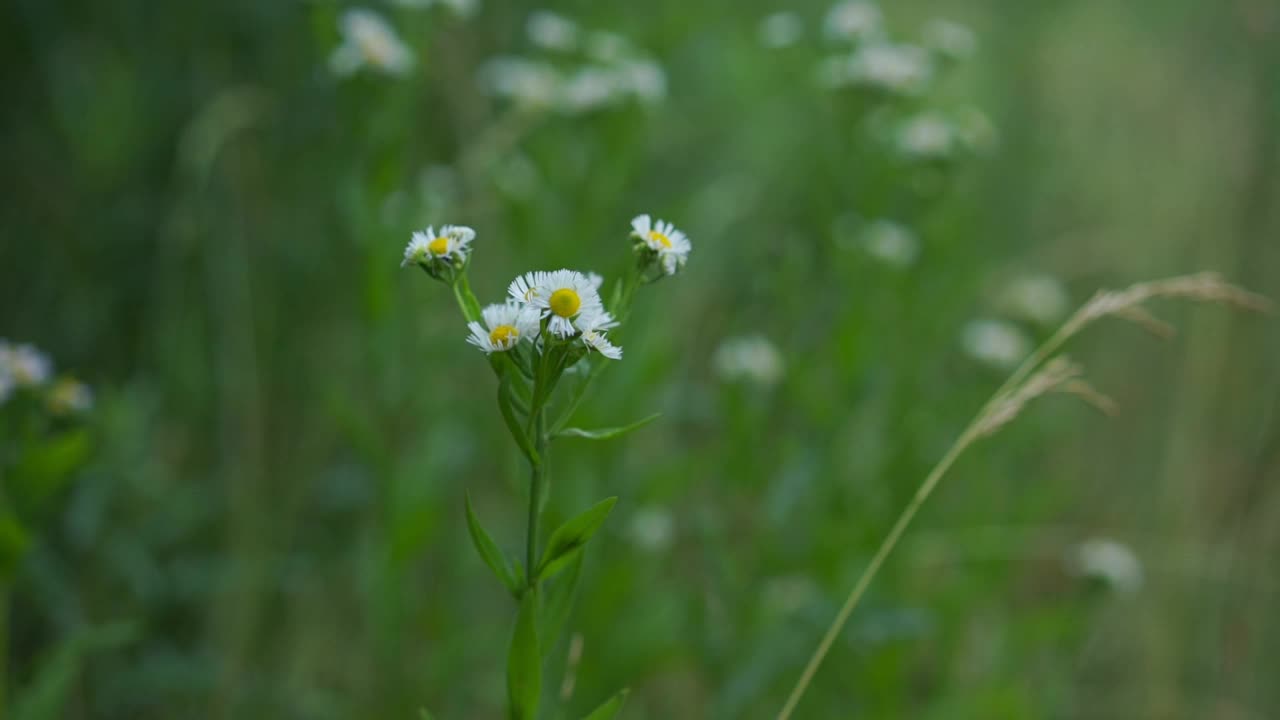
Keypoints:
(204, 215)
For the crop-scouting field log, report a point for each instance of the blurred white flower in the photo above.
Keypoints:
(368, 39)
(589, 88)
(896, 68)
(461, 8)
(561, 295)
(551, 31)
(70, 396)
(995, 343)
(781, 29)
(1039, 298)
(950, 39)
(652, 528)
(6, 385)
(526, 81)
(644, 79)
(927, 136)
(1109, 561)
(750, 357)
(891, 243)
(852, 20)
(24, 365)
(505, 325)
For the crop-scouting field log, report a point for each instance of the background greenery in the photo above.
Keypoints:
(206, 224)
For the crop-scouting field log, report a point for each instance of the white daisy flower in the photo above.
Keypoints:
(852, 20)
(995, 343)
(452, 243)
(505, 325)
(891, 243)
(368, 39)
(24, 365)
(751, 357)
(551, 31)
(927, 136)
(70, 396)
(1039, 298)
(898, 68)
(525, 81)
(561, 295)
(1109, 561)
(663, 238)
(593, 326)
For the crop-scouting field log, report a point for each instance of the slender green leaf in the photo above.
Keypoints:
(524, 662)
(489, 551)
(611, 707)
(559, 602)
(570, 537)
(513, 423)
(606, 433)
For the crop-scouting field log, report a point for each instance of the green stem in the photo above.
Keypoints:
(4, 646)
(531, 537)
(466, 299)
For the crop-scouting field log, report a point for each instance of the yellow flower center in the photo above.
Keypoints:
(503, 334)
(439, 246)
(659, 238)
(565, 302)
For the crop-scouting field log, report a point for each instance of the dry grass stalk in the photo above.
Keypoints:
(1041, 373)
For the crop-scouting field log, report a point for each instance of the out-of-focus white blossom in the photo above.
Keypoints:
(652, 528)
(891, 243)
(950, 39)
(995, 343)
(751, 357)
(528, 82)
(461, 8)
(1109, 561)
(1039, 298)
(589, 88)
(644, 79)
(69, 397)
(551, 31)
(853, 20)
(24, 365)
(781, 29)
(904, 69)
(927, 136)
(369, 40)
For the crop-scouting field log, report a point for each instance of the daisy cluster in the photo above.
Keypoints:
(573, 70)
(25, 369)
(547, 309)
(370, 41)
